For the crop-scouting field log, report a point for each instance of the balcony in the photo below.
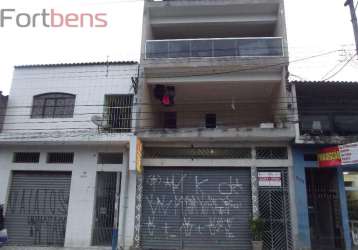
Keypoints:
(216, 111)
(213, 48)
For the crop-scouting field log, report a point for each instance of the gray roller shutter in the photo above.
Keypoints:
(37, 208)
(196, 208)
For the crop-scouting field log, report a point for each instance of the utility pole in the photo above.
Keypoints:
(350, 3)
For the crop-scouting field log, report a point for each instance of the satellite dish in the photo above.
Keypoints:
(99, 121)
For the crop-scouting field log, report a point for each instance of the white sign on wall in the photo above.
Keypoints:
(270, 179)
(349, 153)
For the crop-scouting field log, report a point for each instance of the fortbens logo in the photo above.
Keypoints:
(52, 19)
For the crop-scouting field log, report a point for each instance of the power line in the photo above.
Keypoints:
(340, 70)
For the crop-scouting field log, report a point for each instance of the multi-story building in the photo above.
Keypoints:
(64, 156)
(214, 116)
(3, 105)
(326, 177)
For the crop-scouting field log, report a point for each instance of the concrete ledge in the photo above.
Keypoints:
(230, 134)
(53, 248)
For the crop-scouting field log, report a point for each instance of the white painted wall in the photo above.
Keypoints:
(89, 83)
(83, 184)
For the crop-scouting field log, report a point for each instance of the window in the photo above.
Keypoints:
(119, 113)
(170, 120)
(60, 158)
(271, 153)
(26, 157)
(53, 105)
(110, 158)
(210, 120)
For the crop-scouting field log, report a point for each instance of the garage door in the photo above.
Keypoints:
(196, 208)
(37, 208)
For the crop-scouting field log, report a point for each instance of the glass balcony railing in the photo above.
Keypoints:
(218, 47)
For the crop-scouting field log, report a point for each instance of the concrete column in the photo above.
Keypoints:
(302, 232)
(344, 210)
(255, 193)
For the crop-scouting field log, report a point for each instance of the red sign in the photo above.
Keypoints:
(329, 157)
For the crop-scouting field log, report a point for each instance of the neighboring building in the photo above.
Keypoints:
(64, 156)
(3, 105)
(326, 198)
(215, 122)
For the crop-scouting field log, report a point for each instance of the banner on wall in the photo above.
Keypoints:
(338, 156)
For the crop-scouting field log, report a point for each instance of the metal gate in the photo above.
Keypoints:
(105, 206)
(185, 208)
(324, 211)
(37, 208)
(274, 206)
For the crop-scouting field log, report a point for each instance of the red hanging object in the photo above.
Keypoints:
(166, 100)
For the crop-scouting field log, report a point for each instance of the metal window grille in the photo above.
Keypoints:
(198, 153)
(274, 207)
(53, 105)
(118, 113)
(110, 158)
(271, 153)
(26, 157)
(60, 157)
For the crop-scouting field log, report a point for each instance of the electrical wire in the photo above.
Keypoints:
(341, 68)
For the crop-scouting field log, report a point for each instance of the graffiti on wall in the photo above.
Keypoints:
(42, 213)
(192, 206)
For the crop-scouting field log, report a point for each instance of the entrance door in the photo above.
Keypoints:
(205, 208)
(36, 212)
(324, 209)
(275, 211)
(351, 185)
(105, 208)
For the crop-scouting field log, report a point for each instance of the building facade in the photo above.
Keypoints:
(3, 105)
(65, 155)
(326, 196)
(214, 117)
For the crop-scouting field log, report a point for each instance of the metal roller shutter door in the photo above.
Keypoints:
(196, 208)
(37, 208)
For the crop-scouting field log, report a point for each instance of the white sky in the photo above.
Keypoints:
(314, 27)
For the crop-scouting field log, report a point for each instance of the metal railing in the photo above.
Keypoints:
(215, 47)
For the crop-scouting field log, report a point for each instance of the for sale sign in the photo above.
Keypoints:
(270, 179)
(349, 153)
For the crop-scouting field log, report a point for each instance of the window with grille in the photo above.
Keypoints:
(53, 105)
(110, 158)
(26, 157)
(60, 157)
(271, 153)
(197, 153)
(119, 113)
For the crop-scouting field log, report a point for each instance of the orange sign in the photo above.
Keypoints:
(139, 155)
(329, 157)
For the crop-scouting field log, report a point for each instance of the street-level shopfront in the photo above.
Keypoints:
(326, 196)
(185, 205)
